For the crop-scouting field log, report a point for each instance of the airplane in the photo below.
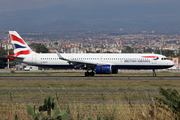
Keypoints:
(93, 63)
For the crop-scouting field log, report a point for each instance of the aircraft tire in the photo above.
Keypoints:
(86, 73)
(154, 75)
(92, 73)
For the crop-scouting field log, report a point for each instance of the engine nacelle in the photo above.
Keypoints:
(105, 69)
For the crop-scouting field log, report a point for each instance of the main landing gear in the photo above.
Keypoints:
(89, 73)
(154, 73)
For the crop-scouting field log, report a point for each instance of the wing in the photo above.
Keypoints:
(79, 62)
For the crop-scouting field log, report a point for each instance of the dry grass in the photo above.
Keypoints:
(87, 84)
(82, 111)
(82, 105)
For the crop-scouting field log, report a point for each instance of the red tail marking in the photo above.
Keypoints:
(10, 57)
(26, 52)
(15, 38)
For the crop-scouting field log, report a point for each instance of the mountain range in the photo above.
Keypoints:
(90, 15)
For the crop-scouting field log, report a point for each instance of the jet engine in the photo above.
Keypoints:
(105, 69)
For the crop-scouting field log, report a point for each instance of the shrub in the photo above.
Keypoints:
(12, 71)
(49, 105)
(170, 101)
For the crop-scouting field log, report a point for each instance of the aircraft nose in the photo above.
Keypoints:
(172, 63)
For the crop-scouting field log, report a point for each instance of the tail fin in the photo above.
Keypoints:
(20, 47)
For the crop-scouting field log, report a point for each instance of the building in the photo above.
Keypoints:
(74, 50)
(176, 62)
(52, 50)
(138, 50)
(67, 50)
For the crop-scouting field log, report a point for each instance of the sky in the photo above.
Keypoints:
(15, 5)
(143, 13)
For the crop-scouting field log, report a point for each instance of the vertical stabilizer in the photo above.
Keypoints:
(19, 45)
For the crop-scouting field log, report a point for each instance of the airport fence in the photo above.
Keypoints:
(106, 101)
(86, 94)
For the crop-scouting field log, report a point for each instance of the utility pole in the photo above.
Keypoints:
(7, 32)
(161, 46)
(120, 45)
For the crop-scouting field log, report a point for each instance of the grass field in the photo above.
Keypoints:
(133, 102)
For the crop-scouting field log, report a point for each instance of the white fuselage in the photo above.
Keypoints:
(119, 61)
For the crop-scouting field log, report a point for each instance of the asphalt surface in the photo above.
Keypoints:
(94, 77)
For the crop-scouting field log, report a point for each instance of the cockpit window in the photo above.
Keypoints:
(164, 58)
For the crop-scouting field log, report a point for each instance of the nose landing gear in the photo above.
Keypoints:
(154, 73)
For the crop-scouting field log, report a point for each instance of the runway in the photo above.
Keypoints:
(94, 77)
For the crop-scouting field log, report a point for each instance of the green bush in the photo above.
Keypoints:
(49, 105)
(170, 100)
(12, 71)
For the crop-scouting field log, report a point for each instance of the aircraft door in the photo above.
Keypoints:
(34, 59)
(154, 61)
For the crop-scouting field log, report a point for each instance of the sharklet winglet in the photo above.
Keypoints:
(60, 57)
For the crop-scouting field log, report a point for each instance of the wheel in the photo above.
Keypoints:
(154, 74)
(91, 73)
(86, 73)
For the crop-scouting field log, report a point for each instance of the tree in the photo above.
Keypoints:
(166, 52)
(128, 49)
(97, 51)
(90, 52)
(149, 50)
(56, 43)
(4, 52)
(40, 48)
(107, 52)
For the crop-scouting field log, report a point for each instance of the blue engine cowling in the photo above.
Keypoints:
(105, 69)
